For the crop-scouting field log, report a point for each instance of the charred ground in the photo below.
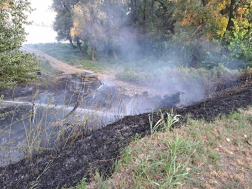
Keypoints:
(98, 150)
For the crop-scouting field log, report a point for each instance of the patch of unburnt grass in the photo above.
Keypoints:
(196, 155)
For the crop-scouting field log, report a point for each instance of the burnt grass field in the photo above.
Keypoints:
(98, 150)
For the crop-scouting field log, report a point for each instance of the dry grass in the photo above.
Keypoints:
(209, 155)
(51, 129)
(228, 149)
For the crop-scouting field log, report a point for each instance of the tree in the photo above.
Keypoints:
(64, 20)
(238, 36)
(161, 28)
(88, 23)
(15, 65)
(116, 18)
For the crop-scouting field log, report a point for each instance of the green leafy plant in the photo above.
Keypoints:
(15, 65)
(163, 123)
(82, 184)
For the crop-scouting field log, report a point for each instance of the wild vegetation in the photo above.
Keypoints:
(198, 154)
(81, 156)
(151, 40)
(184, 33)
(15, 65)
(148, 33)
(63, 52)
(180, 44)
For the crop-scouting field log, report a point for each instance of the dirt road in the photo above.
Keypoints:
(108, 78)
(56, 64)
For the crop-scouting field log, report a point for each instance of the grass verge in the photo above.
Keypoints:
(69, 55)
(197, 155)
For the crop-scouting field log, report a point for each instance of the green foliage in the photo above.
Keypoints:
(134, 76)
(64, 18)
(89, 52)
(164, 123)
(175, 76)
(82, 184)
(15, 65)
(240, 43)
(185, 32)
(160, 169)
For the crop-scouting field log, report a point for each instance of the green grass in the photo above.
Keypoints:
(46, 67)
(197, 155)
(161, 72)
(143, 72)
(65, 53)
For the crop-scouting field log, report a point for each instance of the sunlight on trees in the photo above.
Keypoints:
(88, 21)
(140, 28)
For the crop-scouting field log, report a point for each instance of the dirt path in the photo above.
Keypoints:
(108, 78)
(56, 64)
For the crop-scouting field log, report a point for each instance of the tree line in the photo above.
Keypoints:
(197, 31)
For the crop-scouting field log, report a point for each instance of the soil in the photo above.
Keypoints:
(56, 64)
(98, 150)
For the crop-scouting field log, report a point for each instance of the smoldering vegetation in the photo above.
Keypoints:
(185, 67)
(35, 117)
(153, 43)
(97, 151)
(49, 135)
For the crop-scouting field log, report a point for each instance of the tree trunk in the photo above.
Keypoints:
(106, 49)
(204, 2)
(135, 12)
(93, 53)
(144, 27)
(71, 42)
(115, 55)
(232, 13)
(152, 7)
(106, 52)
(93, 37)
(79, 46)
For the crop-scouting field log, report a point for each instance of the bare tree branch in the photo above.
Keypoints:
(64, 5)
(79, 101)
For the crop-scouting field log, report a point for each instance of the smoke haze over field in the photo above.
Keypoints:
(149, 54)
(137, 42)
